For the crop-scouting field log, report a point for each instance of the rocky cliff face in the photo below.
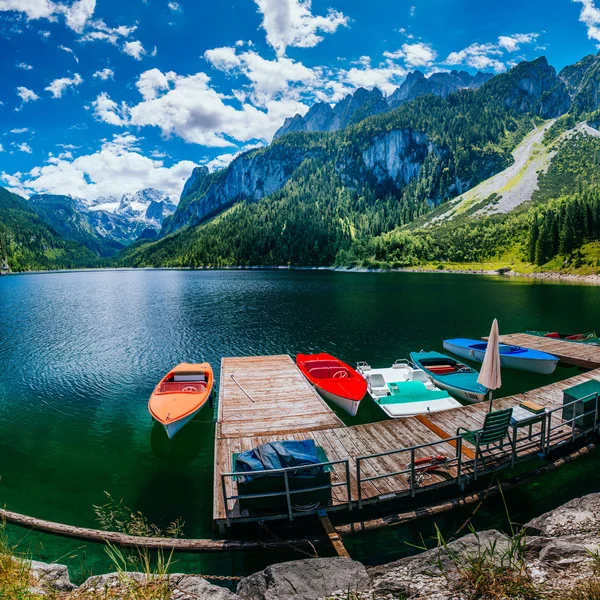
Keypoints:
(531, 87)
(397, 155)
(322, 117)
(439, 84)
(250, 177)
(583, 83)
(366, 103)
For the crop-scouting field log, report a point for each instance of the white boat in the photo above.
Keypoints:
(511, 357)
(403, 390)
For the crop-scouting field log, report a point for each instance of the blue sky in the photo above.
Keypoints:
(103, 97)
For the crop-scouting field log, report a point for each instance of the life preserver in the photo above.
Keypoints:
(428, 463)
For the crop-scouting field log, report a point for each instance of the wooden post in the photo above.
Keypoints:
(333, 535)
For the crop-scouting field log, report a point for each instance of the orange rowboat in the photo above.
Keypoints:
(181, 395)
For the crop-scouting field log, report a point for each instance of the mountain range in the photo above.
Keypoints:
(406, 179)
(105, 225)
(366, 103)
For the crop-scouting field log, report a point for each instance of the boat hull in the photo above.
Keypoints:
(542, 366)
(350, 406)
(468, 396)
(174, 427)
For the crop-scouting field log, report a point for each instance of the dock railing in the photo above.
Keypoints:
(576, 418)
(287, 492)
(412, 470)
(551, 434)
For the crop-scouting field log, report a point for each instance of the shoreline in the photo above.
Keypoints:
(553, 276)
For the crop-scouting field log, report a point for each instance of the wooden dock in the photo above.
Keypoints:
(569, 353)
(263, 397)
(268, 399)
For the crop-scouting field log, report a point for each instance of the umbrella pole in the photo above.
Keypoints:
(491, 405)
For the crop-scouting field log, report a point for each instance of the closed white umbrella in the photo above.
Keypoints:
(490, 369)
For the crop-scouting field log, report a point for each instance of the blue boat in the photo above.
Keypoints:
(511, 357)
(451, 375)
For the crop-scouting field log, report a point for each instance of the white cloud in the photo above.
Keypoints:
(478, 56)
(98, 30)
(70, 51)
(33, 9)
(269, 79)
(118, 167)
(386, 76)
(20, 130)
(174, 6)
(45, 34)
(488, 56)
(1, 148)
(134, 49)
(104, 74)
(419, 54)
(58, 86)
(24, 66)
(76, 14)
(590, 16)
(23, 147)
(512, 43)
(291, 23)
(187, 106)
(26, 94)
(108, 110)
(412, 11)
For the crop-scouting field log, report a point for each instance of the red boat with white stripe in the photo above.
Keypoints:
(334, 380)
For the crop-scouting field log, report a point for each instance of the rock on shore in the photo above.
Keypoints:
(557, 554)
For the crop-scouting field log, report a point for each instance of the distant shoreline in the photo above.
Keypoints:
(553, 276)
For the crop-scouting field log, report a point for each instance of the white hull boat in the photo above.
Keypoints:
(403, 390)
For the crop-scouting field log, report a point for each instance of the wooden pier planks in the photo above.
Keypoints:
(275, 383)
(268, 395)
(569, 353)
(262, 397)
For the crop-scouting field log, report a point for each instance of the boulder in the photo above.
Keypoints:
(51, 577)
(305, 580)
(183, 587)
(579, 516)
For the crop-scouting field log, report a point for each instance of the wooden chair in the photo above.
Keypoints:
(494, 431)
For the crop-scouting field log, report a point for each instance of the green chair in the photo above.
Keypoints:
(494, 431)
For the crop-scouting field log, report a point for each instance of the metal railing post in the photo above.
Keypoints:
(574, 421)
(287, 495)
(358, 483)
(549, 432)
(225, 500)
(596, 415)
(412, 472)
(475, 464)
(459, 461)
(348, 488)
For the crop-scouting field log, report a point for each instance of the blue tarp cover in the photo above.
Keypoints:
(278, 455)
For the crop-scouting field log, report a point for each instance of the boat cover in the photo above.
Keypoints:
(412, 391)
(278, 455)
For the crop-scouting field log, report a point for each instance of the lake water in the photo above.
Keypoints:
(81, 352)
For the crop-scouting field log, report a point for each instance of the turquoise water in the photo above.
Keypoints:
(81, 352)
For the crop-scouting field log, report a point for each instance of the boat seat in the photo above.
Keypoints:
(419, 375)
(190, 377)
(377, 385)
(319, 372)
(441, 369)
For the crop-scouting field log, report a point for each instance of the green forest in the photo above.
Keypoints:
(28, 243)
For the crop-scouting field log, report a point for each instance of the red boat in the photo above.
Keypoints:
(334, 380)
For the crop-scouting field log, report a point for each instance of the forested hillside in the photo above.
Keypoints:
(28, 243)
(353, 184)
